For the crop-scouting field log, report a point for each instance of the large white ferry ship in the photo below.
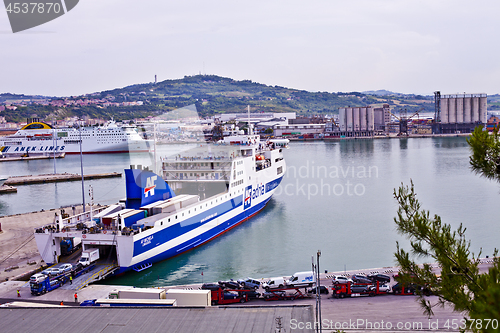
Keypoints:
(41, 138)
(232, 180)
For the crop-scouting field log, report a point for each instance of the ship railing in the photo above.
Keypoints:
(82, 217)
(200, 168)
(172, 176)
(197, 158)
(80, 227)
(89, 227)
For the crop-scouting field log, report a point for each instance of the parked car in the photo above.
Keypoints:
(66, 267)
(382, 287)
(409, 289)
(322, 290)
(229, 284)
(52, 271)
(37, 278)
(340, 279)
(360, 279)
(88, 302)
(249, 283)
(271, 294)
(355, 288)
(210, 286)
(230, 295)
(380, 277)
(249, 293)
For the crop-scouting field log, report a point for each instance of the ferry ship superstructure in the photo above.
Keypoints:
(155, 224)
(41, 138)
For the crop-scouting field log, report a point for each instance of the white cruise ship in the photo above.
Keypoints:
(233, 180)
(41, 138)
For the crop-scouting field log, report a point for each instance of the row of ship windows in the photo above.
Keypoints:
(88, 135)
(216, 174)
(206, 204)
(236, 183)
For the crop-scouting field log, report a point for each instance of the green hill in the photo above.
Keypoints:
(212, 95)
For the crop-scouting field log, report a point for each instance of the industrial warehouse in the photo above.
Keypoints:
(453, 114)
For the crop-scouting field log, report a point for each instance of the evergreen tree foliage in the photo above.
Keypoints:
(460, 283)
(485, 158)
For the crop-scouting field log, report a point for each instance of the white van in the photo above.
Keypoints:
(302, 279)
(274, 283)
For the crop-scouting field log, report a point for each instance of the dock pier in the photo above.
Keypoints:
(50, 178)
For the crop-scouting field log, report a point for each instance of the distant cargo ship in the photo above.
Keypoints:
(41, 138)
(233, 180)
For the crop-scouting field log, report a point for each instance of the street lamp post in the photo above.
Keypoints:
(91, 194)
(55, 148)
(318, 295)
(81, 165)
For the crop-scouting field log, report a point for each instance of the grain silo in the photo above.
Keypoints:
(475, 109)
(459, 113)
(349, 119)
(459, 107)
(363, 119)
(452, 110)
(483, 108)
(370, 119)
(342, 120)
(355, 117)
(356, 121)
(444, 111)
(467, 110)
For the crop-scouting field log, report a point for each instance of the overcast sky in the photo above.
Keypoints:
(405, 46)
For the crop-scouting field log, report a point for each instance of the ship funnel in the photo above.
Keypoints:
(145, 187)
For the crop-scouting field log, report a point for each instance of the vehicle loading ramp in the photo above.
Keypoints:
(100, 272)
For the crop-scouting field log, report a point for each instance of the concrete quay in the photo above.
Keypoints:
(18, 251)
(7, 189)
(29, 157)
(56, 177)
(382, 313)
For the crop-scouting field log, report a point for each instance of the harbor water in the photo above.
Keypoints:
(336, 197)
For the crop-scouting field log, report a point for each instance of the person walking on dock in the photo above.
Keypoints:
(18, 293)
(76, 297)
(70, 279)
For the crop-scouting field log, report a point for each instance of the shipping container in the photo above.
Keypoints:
(131, 302)
(190, 297)
(142, 293)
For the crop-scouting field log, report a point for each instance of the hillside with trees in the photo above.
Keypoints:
(212, 95)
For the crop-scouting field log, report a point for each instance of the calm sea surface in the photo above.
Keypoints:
(336, 197)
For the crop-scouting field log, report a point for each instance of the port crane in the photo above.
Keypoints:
(403, 121)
